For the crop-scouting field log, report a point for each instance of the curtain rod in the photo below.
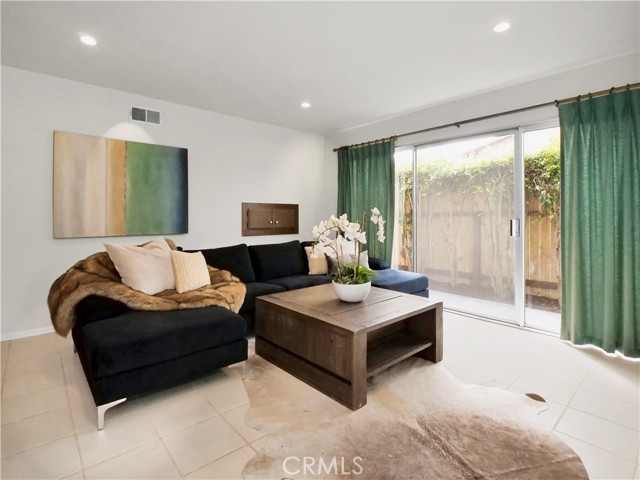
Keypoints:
(371, 142)
(494, 115)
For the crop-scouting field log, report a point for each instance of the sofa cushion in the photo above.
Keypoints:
(95, 307)
(378, 264)
(139, 338)
(250, 317)
(255, 289)
(405, 282)
(234, 259)
(277, 260)
(301, 281)
(423, 293)
(168, 373)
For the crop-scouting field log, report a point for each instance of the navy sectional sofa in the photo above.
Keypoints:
(125, 352)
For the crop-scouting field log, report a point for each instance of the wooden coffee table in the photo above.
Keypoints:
(335, 346)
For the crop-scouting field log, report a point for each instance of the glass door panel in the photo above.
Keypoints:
(542, 228)
(402, 258)
(464, 201)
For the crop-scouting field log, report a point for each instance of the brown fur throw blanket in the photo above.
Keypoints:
(97, 275)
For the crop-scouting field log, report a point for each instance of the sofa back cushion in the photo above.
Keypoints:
(277, 260)
(234, 259)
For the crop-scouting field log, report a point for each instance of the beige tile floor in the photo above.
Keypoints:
(197, 430)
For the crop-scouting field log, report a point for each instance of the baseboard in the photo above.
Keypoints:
(26, 333)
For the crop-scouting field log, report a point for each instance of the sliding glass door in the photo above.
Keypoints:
(541, 240)
(479, 217)
(465, 200)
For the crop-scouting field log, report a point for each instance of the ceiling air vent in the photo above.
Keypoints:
(144, 115)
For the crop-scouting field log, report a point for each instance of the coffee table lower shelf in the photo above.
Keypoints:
(392, 350)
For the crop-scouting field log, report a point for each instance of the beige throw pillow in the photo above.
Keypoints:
(147, 268)
(190, 271)
(318, 264)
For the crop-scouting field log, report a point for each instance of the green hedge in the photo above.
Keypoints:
(485, 174)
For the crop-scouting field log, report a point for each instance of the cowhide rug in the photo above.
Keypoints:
(420, 422)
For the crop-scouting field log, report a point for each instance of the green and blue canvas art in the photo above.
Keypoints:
(106, 187)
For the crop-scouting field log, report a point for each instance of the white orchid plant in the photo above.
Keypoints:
(332, 237)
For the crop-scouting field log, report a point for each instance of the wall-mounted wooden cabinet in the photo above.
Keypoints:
(269, 219)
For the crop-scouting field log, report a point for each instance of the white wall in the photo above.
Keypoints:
(611, 73)
(230, 161)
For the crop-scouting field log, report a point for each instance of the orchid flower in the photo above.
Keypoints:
(346, 232)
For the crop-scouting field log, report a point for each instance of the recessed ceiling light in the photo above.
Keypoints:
(88, 40)
(501, 27)
(305, 104)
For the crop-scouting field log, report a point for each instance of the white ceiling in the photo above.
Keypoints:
(356, 62)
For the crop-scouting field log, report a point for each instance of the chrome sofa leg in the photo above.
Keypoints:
(102, 410)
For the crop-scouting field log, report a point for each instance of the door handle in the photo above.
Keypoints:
(514, 227)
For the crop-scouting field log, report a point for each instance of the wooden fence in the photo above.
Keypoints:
(464, 246)
(542, 254)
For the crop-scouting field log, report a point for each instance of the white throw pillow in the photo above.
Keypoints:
(147, 268)
(349, 258)
(345, 247)
(318, 264)
(190, 271)
(364, 259)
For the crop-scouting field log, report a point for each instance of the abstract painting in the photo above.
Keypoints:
(104, 187)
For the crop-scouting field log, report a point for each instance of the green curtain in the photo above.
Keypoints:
(600, 222)
(366, 180)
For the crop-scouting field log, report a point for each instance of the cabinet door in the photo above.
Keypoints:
(285, 218)
(260, 218)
